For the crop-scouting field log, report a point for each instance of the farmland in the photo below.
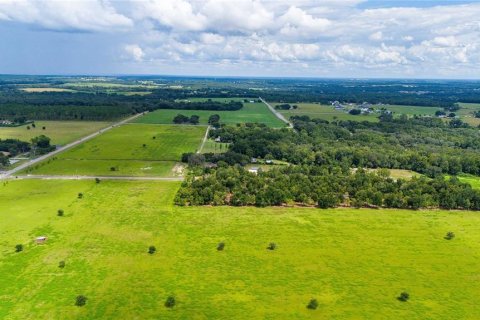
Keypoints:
(326, 112)
(129, 150)
(354, 262)
(251, 112)
(61, 132)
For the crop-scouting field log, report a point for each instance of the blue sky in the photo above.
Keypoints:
(312, 38)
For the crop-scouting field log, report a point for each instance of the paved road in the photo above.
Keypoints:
(51, 177)
(278, 114)
(9, 173)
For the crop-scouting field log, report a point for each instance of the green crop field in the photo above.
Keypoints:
(354, 262)
(123, 149)
(61, 132)
(251, 112)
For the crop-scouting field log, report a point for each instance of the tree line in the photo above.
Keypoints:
(325, 186)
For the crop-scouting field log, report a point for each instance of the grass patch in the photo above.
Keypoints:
(61, 132)
(46, 90)
(251, 112)
(133, 149)
(211, 146)
(326, 112)
(354, 263)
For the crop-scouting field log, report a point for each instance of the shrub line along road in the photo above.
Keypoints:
(276, 113)
(7, 174)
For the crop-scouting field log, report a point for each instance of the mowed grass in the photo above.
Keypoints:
(250, 113)
(123, 149)
(466, 113)
(61, 132)
(354, 262)
(474, 181)
(326, 112)
(215, 147)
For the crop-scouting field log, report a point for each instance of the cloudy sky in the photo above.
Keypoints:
(314, 38)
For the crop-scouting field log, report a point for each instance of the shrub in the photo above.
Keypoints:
(19, 248)
(97, 180)
(80, 195)
(80, 301)
(170, 302)
(313, 304)
(113, 169)
(144, 145)
(60, 213)
(221, 246)
(404, 296)
(61, 264)
(152, 249)
(449, 236)
(272, 246)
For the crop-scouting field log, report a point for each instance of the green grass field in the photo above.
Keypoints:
(474, 181)
(251, 112)
(214, 147)
(354, 262)
(466, 113)
(326, 112)
(61, 132)
(122, 148)
(412, 110)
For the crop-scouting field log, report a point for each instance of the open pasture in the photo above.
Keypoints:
(128, 150)
(354, 262)
(322, 111)
(251, 112)
(47, 89)
(61, 132)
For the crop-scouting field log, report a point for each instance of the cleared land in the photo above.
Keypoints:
(121, 152)
(329, 113)
(47, 90)
(326, 112)
(61, 132)
(214, 147)
(251, 112)
(354, 262)
(466, 113)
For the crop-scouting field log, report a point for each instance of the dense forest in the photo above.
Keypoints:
(324, 186)
(425, 145)
(329, 162)
(99, 106)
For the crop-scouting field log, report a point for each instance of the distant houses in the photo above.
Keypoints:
(5, 123)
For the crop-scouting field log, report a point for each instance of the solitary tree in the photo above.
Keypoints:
(61, 264)
(60, 213)
(170, 302)
(97, 180)
(272, 246)
(80, 195)
(313, 304)
(450, 235)
(404, 296)
(19, 248)
(221, 246)
(152, 249)
(80, 301)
